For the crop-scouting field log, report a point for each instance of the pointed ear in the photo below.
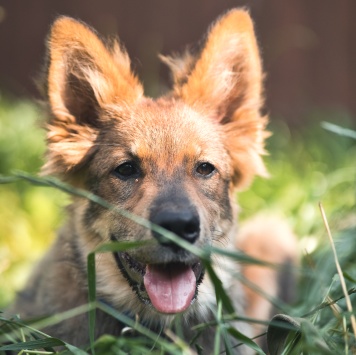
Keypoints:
(85, 78)
(224, 81)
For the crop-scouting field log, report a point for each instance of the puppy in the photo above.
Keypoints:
(176, 162)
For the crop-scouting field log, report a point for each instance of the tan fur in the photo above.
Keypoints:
(275, 245)
(76, 50)
(226, 83)
(99, 122)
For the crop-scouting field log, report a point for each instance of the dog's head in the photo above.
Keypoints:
(175, 161)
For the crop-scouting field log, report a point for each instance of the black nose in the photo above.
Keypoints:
(185, 224)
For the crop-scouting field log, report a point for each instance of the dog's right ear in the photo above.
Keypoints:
(85, 79)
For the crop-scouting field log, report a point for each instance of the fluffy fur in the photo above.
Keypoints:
(187, 151)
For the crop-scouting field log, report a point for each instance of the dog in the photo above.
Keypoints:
(176, 161)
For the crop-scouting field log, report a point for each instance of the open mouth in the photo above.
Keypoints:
(170, 288)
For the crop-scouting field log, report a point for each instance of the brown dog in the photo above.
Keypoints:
(175, 161)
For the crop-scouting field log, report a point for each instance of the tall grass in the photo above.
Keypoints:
(307, 165)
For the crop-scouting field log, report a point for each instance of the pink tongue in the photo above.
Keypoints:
(170, 288)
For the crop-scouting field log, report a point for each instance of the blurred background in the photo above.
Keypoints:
(308, 46)
(309, 53)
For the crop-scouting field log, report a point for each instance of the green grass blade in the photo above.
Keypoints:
(8, 179)
(245, 340)
(346, 132)
(161, 341)
(218, 329)
(221, 294)
(33, 345)
(239, 256)
(92, 297)
(74, 350)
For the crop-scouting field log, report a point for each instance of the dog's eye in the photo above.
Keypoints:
(127, 170)
(205, 169)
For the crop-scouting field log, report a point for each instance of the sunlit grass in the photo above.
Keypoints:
(307, 165)
(29, 216)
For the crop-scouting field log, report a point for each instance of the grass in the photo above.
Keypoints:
(29, 215)
(307, 165)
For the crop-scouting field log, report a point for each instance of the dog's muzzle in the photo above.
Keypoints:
(172, 286)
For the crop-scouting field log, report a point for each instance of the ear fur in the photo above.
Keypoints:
(85, 78)
(224, 81)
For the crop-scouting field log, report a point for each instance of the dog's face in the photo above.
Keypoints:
(183, 188)
(175, 161)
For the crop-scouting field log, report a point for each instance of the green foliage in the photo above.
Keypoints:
(29, 215)
(307, 165)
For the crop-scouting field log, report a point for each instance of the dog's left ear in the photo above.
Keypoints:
(224, 81)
